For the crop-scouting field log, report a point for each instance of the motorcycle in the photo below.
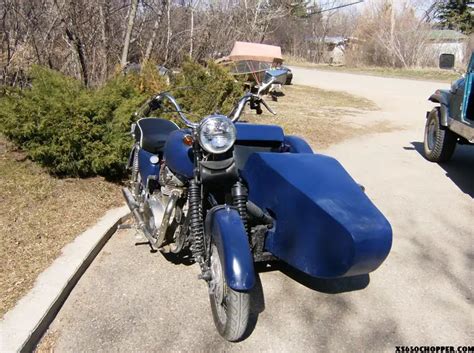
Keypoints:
(232, 194)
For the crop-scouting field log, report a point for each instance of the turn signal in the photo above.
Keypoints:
(188, 140)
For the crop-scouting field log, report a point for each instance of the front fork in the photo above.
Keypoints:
(239, 200)
(201, 241)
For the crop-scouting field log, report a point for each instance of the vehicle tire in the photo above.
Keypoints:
(439, 143)
(230, 308)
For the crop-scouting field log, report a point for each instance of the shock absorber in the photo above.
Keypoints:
(135, 182)
(239, 198)
(196, 222)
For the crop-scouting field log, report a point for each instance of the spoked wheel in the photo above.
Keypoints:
(439, 143)
(230, 308)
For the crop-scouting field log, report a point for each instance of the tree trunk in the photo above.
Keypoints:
(104, 13)
(128, 33)
(151, 42)
(168, 30)
(191, 37)
(80, 53)
(392, 32)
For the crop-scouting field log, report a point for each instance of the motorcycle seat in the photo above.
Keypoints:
(152, 133)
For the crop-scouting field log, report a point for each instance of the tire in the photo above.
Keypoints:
(439, 143)
(230, 308)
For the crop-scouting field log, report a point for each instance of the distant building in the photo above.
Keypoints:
(329, 49)
(446, 41)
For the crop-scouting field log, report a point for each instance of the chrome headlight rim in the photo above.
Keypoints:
(212, 119)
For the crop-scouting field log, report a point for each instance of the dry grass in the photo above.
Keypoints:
(321, 117)
(429, 74)
(47, 343)
(39, 214)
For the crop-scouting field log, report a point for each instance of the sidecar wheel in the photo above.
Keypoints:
(230, 308)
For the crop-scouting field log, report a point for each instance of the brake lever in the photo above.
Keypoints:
(266, 106)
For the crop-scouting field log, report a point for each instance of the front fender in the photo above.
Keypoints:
(224, 225)
(442, 97)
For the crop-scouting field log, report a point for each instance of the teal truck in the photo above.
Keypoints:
(451, 122)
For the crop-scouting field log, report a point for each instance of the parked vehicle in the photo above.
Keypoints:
(232, 194)
(258, 63)
(451, 122)
(289, 75)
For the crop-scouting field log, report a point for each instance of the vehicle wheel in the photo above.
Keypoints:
(439, 143)
(230, 308)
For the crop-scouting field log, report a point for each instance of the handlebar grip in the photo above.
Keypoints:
(155, 103)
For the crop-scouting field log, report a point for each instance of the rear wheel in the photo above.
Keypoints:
(230, 308)
(439, 143)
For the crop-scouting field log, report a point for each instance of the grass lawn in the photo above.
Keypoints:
(429, 74)
(39, 214)
(321, 117)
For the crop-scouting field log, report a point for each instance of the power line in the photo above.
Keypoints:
(335, 7)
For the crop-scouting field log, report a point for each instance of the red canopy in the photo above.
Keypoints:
(255, 51)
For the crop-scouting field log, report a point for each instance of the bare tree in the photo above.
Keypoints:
(128, 33)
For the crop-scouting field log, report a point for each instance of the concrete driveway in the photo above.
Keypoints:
(133, 301)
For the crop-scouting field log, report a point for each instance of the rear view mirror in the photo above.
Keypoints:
(446, 61)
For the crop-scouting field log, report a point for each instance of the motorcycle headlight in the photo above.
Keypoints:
(216, 134)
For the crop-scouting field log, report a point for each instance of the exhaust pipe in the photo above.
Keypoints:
(157, 241)
(133, 206)
(165, 222)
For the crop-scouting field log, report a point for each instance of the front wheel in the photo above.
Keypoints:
(439, 143)
(230, 308)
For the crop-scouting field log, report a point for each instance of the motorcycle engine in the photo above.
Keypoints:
(169, 182)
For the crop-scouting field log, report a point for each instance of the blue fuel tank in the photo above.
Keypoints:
(178, 156)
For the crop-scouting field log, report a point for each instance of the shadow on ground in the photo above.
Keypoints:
(328, 286)
(459, 169)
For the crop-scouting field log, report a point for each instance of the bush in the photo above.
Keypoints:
(80, 132)
(212, 89)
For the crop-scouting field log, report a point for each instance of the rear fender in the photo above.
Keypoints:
(297, 144)
(441, 97)
(224, 225)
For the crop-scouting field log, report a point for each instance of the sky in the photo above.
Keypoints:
(420, 5)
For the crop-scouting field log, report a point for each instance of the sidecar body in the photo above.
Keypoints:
(324, 224)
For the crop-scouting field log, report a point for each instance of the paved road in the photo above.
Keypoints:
(133, 301)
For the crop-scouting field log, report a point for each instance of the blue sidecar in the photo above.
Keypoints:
(324, 224)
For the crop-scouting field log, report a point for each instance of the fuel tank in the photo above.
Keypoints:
(324, 225)
(179, 156)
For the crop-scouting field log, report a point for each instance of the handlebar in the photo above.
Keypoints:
(249, 97)
(156, 101)
(162, 96)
